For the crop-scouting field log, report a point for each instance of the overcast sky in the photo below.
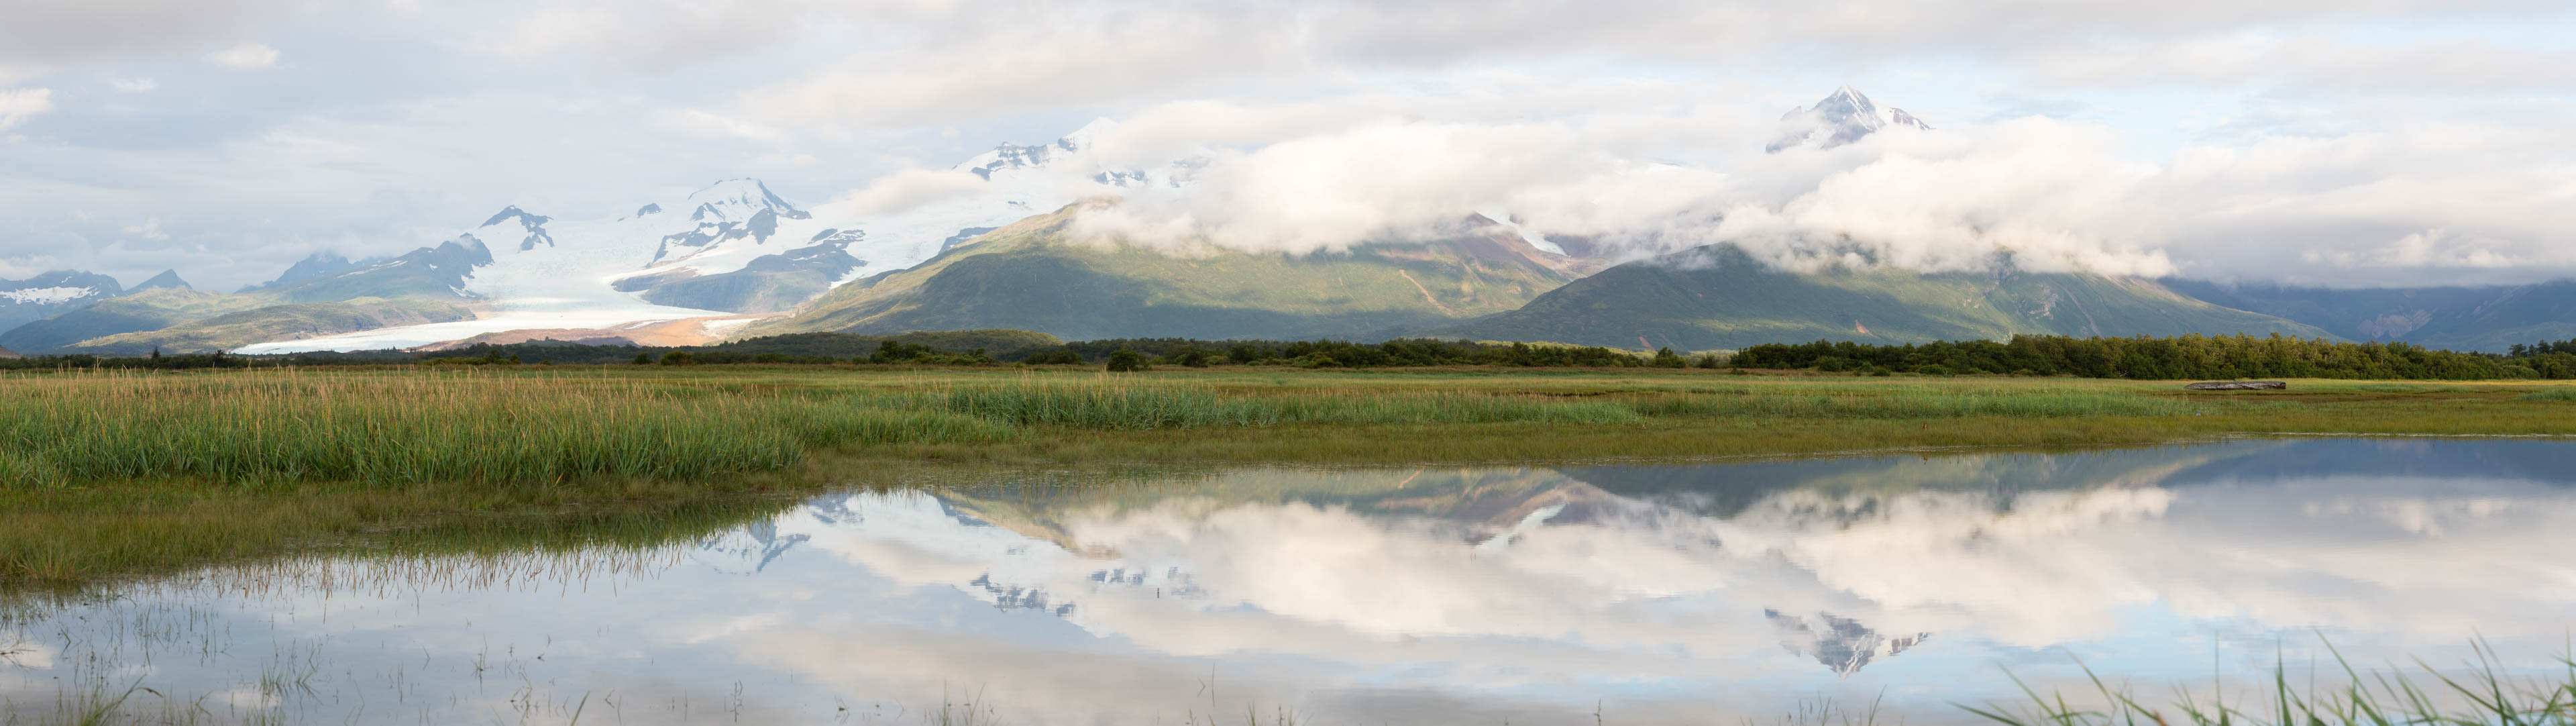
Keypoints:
(2344, 142)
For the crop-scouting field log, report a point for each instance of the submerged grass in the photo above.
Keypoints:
(105, 472)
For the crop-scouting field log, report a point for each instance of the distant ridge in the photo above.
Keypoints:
(1720, 297)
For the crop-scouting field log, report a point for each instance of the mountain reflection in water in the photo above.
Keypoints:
(1660, 593)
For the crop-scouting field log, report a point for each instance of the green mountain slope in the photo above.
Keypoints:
(1030, 276)
(144, 311)
(2489, 319)
(1718, 297)
(418, 287)
(278, 322)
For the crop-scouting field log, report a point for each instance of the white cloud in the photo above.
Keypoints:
(2056, 195)
(911, 188)
(138, 84)
(1395, 180)
(253, 55)
(19, 104)
(39, 36)
(2429, 248)
(150, 229)
(707, 123)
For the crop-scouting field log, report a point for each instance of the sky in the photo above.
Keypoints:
(2345, 143)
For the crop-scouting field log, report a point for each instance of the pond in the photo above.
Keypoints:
(1643, 593)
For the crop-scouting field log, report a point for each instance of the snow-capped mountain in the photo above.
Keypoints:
(1839, 119)
(1841, 644)
(725, 252)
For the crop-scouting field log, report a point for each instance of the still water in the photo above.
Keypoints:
(1689, 593)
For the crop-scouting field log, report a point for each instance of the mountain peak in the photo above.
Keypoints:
(739, 199)
(1838, 119)
(167, 279)
(530, 221)
(1015, 156)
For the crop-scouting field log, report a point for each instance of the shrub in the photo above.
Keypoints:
(1666, 358)
(1126, 360)
(1191, 356)
(643, 359)
(678, 358)
(1059, 356)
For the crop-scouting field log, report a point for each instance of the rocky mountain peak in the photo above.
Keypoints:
(1015, 156)
(738, 200)
(1838, 119)
(167, 279)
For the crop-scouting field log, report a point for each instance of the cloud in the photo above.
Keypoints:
(252, 55)
(38, 36)
(2429, 248)
(133, 85)
(911, 188)
(150, 229)
(703, 122)
(2052, 195)
(19, 104)
(1397, 180)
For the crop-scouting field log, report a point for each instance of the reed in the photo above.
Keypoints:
(263, 427)
(1115, 405)
(2485, 694)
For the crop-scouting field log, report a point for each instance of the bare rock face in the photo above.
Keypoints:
(2239, 386)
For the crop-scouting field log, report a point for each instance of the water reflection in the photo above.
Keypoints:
(1656, 593)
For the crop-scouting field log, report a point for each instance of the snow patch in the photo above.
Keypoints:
(46, 295)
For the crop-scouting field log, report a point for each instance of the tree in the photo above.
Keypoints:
(1057, 356)
(678, 358)
(1666, 358)
(643, 359)
(1126, 360)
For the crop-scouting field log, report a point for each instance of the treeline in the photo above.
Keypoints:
(2188, 356)
(1344, 354)
(184, 361)
(957, 349)
(811, 348)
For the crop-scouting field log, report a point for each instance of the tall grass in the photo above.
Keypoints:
(1915, 402)
(251, 427)
(2486, 695)
(1129, 406)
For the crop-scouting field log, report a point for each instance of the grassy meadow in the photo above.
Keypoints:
(112, 472)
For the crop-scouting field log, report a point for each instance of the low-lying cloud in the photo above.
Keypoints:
(2048, 195)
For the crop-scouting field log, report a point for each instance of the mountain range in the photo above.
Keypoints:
(736, 259)
(1032, 275)
(1720, 297)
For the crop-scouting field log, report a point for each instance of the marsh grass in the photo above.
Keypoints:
(1115, 405)
(282, 426)
(2483, 694)
(2554, 393)
(1919, 401)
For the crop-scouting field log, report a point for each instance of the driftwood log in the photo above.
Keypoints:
(2238, 386)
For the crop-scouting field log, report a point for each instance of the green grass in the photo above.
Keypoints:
(2555, 393)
